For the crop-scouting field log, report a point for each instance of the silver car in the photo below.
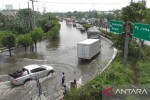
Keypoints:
(32, 72)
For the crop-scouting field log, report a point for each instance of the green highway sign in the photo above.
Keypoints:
(142, 31)
(116, 26)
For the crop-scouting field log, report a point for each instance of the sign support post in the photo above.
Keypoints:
(141, 31)
(127, 30)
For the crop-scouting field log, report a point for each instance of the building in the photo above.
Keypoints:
(9, 13)
(9, 7)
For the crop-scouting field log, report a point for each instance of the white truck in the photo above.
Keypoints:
(34, 71)
(87, 49)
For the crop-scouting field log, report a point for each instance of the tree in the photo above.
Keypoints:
(95, 15)
(7, 21)
(135, 12)
(110, 17)
(17, 21)
(8, 40)
(25, 40)
(79, 15)
(147, 17)
(47, 21)
(69, 14)
(102, 15)
(43, 24)
(49, 16)
(117, 14)
(53, 33)
(25, 17)
(2, 21)
(75, 12)
(36, 35)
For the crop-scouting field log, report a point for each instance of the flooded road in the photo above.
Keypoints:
(61, 54)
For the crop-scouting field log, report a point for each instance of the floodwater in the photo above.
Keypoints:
(60, 53)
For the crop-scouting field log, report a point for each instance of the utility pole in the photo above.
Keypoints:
(32, 4)
(131, 1)
(33, 13)
(28, 5)
(19, 5)
(29, 18)
(127, 30)
(44, 8)
(93, 5)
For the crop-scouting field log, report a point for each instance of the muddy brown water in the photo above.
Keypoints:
(61, 54)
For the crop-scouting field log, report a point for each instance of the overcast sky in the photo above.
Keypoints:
(70, 5)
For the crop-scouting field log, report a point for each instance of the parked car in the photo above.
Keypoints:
(82, 29)
(79, 26)
(74, 24)
(33, 71)
(93, 33)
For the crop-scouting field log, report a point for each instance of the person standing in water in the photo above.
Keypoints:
(63, 78)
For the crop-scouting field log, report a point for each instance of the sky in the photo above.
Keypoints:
(69, 5)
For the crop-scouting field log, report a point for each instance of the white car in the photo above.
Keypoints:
(33, 71)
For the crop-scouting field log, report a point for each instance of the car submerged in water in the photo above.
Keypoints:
(30, 72)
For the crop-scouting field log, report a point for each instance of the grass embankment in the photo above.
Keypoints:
(135, 72)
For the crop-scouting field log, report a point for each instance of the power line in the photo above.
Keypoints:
(84, 3)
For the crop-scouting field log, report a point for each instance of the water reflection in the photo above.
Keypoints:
(69, 25)
(53, 43)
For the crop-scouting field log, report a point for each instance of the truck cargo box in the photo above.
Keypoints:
(88, 48)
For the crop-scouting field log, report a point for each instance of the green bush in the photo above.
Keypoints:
(146, 51)
(116, 74)
(86, 92)
(25, 40)
(8, 40)
(54, 32)
(144, 71)
(86, 26)
(133, 49)
(36, 35)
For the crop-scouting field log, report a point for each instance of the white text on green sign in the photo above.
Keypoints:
(142, 31)
(116, 26)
